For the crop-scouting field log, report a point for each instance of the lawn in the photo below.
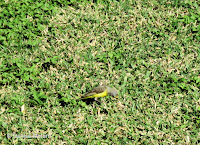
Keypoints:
(53, 52)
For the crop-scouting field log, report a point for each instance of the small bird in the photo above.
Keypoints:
(100, 91)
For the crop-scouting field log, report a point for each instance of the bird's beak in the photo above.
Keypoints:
(116, 97)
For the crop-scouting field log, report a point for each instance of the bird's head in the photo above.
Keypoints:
(112, 92)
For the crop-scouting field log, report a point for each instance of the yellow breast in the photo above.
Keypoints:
(103, 94)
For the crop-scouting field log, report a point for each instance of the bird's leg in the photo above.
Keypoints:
(97, 100)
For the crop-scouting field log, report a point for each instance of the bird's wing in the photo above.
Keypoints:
(97, 90)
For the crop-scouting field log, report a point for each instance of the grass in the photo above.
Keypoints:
(148, 50)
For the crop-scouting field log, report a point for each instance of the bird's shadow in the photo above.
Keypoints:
(90, 101)
(87, 101)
